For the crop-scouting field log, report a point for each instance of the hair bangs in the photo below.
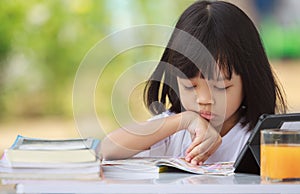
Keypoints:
(185, 68)
(221, 48)
(214, 60)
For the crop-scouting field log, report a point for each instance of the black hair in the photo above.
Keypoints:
(233, 42)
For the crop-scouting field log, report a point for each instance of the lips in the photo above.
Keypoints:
(207, 115)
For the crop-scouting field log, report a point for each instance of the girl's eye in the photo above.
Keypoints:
(190, 87)
(221, 88)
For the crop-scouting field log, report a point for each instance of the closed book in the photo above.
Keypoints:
(58, 170)
(28, 143)
(59, 173)
(34, 158)
(47, 156)
(54, 176)
(29, 152)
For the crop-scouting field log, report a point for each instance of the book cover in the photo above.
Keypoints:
(46, 156)
(28, 152)
(27, 143)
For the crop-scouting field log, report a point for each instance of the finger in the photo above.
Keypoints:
(201, 158)
(196, 141)
(209, 153)
(198, 150)
(208, 143)
(204, 150)
(193, 136)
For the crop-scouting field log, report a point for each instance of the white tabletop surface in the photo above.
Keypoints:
(166, 183)
(187, 183)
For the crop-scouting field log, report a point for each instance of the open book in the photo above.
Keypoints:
(157, 165)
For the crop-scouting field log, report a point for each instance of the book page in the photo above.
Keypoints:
(24, 143)
(225, 168)
(222, 168)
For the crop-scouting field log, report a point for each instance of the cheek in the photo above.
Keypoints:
(233, 102)
(221, 101)
(226, 104)
(188, 100)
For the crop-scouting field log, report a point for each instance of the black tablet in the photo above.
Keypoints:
(248, 160)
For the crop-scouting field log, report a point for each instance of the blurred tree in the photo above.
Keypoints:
(41, 46)
(9, 13)
(43, 42)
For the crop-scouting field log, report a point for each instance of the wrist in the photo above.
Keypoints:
(186, 118)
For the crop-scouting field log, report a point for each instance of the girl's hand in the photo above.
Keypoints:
(205, 139)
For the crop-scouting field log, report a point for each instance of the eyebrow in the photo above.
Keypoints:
(221, 79)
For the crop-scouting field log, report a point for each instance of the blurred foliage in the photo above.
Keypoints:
(43, 42)
(280, 42)
(279, 25)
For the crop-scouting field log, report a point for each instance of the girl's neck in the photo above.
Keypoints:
(230, 123)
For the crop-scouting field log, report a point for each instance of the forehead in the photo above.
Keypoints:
(217, 77)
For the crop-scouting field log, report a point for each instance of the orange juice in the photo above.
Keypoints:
(280, 161)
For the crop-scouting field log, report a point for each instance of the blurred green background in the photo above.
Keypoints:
(43, 42)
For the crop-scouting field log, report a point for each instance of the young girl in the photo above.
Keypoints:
(206, 100)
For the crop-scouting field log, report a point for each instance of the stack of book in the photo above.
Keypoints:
(45, 159)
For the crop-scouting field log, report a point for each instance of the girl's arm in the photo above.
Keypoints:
(130, 140)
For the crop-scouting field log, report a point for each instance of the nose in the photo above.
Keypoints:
(203, 94)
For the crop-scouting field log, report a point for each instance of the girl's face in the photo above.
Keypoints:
(217, 101)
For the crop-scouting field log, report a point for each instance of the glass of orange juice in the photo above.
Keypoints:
(280, 155)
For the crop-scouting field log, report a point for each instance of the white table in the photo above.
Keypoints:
(167, 183)
(187, 183)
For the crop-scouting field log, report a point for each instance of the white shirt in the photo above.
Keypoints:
(176, 144)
